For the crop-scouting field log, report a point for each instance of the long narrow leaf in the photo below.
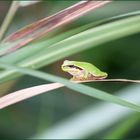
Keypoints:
(93, 120)
(32, 49)
(85, 40)
(23, 94)
(42, 27)
(92, 92)
(77, 43)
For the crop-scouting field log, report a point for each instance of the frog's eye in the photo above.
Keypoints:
(75, 67)
(71, 66)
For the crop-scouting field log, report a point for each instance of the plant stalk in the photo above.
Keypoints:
(10, 15)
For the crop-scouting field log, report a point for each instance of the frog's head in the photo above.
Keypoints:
(69, 66)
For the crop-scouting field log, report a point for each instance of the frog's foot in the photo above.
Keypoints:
(74, 79)
(78, 79)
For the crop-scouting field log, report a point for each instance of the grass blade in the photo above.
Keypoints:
(42, 27)
(92, 92)
(32, 49)
(10, 15)
(96, 118)
(123, 128)
(85, 40)
(23, 94)
(77, 43)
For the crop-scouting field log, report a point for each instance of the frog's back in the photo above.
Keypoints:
(90, 68)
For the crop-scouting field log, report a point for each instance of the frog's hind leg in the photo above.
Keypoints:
(85, 75)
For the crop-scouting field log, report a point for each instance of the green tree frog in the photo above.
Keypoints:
(82, 71)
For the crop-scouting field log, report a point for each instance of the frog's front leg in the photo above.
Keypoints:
(74, 79)
(82, 76)
(88, 76)
(85, 74)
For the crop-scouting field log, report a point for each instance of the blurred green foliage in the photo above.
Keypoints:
(120, 58)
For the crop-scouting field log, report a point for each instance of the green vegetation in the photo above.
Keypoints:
(106, 37)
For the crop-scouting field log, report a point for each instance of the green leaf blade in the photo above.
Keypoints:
(92, 92)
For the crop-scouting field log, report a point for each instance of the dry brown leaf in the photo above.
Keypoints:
(23, 94)
(42, 27)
